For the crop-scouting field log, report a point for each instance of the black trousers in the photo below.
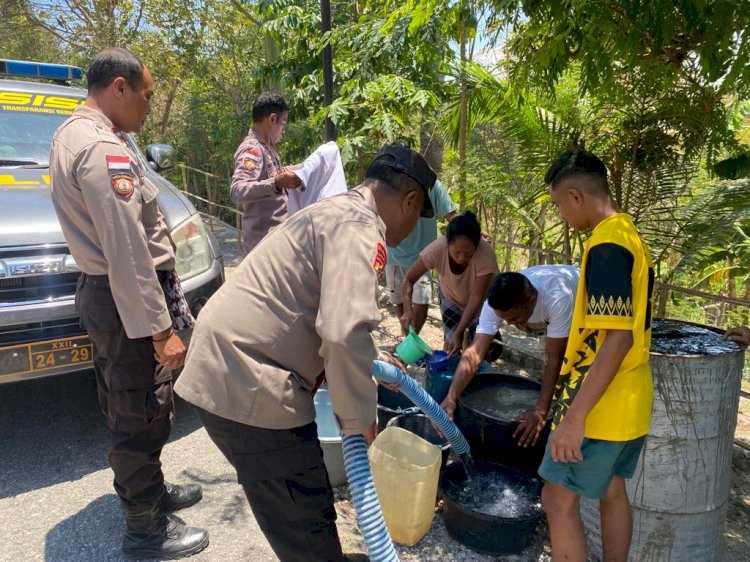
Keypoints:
(286, 483)
(135, 395)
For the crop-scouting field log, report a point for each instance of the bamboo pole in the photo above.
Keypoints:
(218, 205)
(238, 225)
(184, 179)
(197, 171)
(209, 195)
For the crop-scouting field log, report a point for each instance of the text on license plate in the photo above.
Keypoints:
(42, 356)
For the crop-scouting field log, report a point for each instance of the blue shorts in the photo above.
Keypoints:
(601, 461)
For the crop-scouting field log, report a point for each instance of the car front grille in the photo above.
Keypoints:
(25, 277)
(39, 331)
(37, 288)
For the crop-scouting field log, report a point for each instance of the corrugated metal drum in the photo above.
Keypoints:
(680, 489)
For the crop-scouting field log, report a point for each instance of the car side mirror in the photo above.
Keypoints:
(160, 157)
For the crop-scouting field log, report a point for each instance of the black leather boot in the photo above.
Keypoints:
(179, 497)
(155, 535)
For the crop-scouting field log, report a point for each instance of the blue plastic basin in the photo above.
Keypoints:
(329, 437)
(437, 360)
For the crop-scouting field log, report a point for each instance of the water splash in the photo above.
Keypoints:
(494, 494)
(467, 463)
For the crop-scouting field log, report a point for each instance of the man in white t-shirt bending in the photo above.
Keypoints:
(540, 298)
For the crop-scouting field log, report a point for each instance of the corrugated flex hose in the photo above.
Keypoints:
(386, 372)
(357, 464)
(369, 517)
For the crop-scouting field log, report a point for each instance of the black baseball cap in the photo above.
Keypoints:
(404, 160)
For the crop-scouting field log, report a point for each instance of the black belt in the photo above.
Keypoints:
(103, 280)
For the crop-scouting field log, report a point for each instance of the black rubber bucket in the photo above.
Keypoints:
(490, 534)
(390, 405)
(491, 437)
(420, 425)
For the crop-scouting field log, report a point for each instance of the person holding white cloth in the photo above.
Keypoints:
(322, 175)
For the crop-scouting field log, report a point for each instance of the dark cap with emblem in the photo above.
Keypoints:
(404, 160)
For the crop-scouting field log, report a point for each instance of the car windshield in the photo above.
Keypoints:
(27, 124)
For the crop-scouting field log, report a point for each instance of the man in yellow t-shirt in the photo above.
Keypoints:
(602, 405)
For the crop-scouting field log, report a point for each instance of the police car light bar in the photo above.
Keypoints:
(39, 70)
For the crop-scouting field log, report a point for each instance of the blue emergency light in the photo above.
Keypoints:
(57, 72)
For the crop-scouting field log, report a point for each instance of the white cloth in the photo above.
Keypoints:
(556, 287)
(322, 175)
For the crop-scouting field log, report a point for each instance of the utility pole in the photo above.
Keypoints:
(325, 22)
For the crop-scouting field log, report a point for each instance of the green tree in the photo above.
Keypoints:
(387, 60)
(24, 39)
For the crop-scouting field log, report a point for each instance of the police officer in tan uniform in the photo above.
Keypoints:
(303, 302)
(260, 182)
(115, 231)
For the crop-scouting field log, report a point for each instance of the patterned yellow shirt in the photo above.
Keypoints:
(615, 293)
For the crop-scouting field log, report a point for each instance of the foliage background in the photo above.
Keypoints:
(491, 91)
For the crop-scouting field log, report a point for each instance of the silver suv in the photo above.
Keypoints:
(39, 329)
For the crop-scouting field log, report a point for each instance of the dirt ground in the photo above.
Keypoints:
(438, 546)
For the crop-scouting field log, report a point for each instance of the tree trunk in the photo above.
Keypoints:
(168, 107)
(537, 240)
(462, 121)
(625, 204)
(271, 49)
(360, 166)
(731, 286)
(509, 236)
(325, 22)
(431, 147)
(661, 307)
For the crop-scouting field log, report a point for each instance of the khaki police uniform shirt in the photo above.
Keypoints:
(256, 165)
(110, 218)
(305, 300)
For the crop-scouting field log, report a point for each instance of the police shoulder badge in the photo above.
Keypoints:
(123, 185)
(250, 159)
(381, 257)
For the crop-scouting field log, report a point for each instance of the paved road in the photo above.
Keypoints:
(56, 497)
(226, 236)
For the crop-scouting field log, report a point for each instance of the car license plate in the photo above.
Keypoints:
(45, 356)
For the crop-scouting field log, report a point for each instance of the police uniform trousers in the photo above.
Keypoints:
(135, 395)
(286, 484)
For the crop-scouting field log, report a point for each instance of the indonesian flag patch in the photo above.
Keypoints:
(250, 159)
(118, 163)
(381, 257)
(123, 185)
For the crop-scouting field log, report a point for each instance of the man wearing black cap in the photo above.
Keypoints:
(302, 303)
